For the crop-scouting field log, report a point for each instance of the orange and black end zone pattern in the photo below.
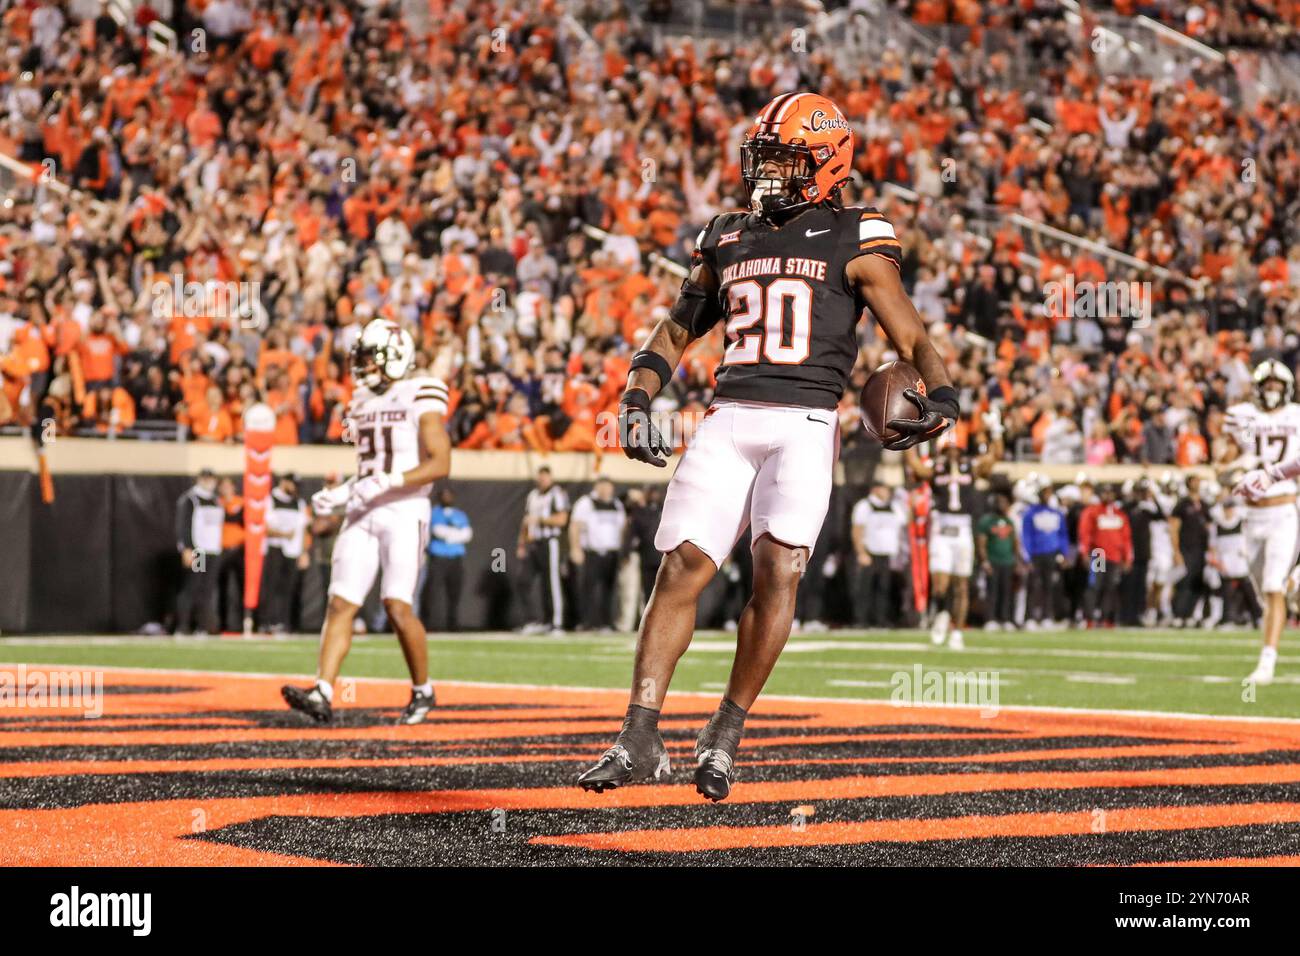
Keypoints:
(191, 769)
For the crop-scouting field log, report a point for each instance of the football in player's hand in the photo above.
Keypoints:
(883, 400)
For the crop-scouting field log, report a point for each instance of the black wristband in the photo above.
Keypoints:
(655, 362)
(636, 398)
(947, 395)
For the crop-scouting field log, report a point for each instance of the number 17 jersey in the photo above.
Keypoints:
(1271, 437)
(385, 426)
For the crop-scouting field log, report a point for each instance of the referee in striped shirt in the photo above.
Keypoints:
(545, 515)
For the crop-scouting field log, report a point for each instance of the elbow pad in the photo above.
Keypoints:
(696, 310)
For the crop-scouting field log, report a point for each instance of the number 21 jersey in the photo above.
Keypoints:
(385, 426)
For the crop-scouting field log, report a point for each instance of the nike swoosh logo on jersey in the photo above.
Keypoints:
(809, 233)
(821, 420)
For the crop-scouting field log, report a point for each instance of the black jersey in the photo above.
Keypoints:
(1139, 520)
(790, 312)
(1225, 528)
(952, 488)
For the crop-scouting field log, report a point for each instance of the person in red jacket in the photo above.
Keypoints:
(1106, 544)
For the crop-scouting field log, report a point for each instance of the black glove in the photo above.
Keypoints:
(641, 441)
(939, 412)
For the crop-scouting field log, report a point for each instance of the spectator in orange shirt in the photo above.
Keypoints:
(194, 379)
(1192, 448)
(581, 406)
(277, 355)
(203, 125)
(230, 577)
(486, 434)
(99, 351)
(185, 334)
(284, 401)
(329, 401)
(28, 360)
(510, 430)
(209, 419)
(108, 409)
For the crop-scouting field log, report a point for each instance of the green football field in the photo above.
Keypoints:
(1198, 672)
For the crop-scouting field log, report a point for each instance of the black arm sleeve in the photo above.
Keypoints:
(697, 310)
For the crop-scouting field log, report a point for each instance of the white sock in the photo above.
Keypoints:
(1268, 655)
(426, 688)
(325, 689)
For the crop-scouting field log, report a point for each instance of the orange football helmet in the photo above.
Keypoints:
(797, 153)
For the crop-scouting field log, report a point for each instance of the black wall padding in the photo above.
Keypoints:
(17, 497)
(71, 549)
(102, 558)
(146, 569)
(495, 509)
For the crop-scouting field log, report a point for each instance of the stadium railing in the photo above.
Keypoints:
(992, 219)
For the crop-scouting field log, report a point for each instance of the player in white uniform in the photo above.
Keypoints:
(1267, 433)
(952, 474)
(402, 448)
(1160, 500)
(1229, 559)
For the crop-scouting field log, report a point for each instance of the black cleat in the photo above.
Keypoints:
(715, 752)
(311, 702)
(715, 772)
(418, 708)
(621, 765)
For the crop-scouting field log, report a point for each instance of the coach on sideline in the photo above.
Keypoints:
(444, 572)
(1045, 541)
(285, 548)
(199, 517)
(546, 512)
(595, 543)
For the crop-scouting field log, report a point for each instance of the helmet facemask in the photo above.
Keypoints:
(1274, 385)
(368, 363)
(382, 355)
(777, 175)
(1272, 393)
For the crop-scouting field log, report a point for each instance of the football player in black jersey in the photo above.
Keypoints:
(790, 277)
(953, 504)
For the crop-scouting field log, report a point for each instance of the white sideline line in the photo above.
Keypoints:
(1100, 679)
(904, 638)
(611, 652)
(996, 681)
(794, 698)
(706, 645)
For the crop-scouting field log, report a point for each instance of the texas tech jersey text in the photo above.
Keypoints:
(385, 426)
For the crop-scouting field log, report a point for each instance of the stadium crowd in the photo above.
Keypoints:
(1259, 24)
(239, 208)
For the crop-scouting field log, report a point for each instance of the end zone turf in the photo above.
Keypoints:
(188, 768)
